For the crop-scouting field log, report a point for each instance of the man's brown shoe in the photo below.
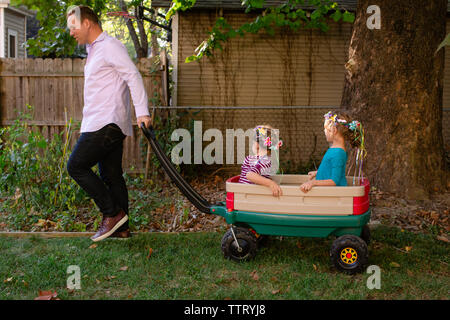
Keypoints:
(121, 234)
(109, 225)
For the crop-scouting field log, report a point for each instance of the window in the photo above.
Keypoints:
(12, 43)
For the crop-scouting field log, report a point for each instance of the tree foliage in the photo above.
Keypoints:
(53, 39)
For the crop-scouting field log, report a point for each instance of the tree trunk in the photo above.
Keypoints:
(394, 86)
(140, 47)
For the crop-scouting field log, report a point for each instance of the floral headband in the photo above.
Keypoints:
(262, 132)
(353, 126)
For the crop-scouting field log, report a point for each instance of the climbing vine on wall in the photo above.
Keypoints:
(290, 14)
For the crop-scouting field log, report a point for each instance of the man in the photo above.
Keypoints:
(106, 122)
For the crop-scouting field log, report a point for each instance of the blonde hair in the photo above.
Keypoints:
(341, 120)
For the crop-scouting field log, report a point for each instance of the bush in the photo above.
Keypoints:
(34, 181)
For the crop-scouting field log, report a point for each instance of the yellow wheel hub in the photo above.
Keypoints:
(349, 255)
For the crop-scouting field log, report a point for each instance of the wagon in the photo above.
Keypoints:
(253, 214)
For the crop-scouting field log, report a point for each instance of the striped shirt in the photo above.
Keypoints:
(256, 164)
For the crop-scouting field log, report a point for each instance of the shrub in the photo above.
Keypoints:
(33, 178)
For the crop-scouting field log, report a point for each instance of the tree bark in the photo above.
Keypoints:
(394, 86)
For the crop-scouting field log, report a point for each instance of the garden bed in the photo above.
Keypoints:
(164, 209)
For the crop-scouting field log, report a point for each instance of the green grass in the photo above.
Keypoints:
(191, 266)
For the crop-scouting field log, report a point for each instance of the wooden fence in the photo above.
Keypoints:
(54, 87)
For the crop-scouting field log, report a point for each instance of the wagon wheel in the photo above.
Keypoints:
(263, 241)
(349, 254)
(242, 250)
(365, 234)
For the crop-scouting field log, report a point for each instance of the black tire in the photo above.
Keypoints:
(365, 234)
(247, 243)
(263, 241)
(349, 254)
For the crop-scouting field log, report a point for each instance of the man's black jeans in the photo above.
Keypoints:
(103, 147)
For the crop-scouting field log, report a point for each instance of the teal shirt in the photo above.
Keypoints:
(333, 166)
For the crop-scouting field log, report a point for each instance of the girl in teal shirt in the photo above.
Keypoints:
(338, 129)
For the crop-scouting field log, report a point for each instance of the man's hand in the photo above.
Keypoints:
(146, 120)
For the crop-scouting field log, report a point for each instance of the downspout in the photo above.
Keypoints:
(175, 24)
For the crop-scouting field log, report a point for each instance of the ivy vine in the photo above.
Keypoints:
(293, 14)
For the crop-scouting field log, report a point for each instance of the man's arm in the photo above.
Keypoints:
(118, 57)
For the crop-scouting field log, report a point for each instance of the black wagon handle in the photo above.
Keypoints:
(190, 193)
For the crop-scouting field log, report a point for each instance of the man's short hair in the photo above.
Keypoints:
(86, 13)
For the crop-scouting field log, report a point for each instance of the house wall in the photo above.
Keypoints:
(304, 69)
(15, 22)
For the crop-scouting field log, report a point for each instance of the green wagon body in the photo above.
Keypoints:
(295, 225)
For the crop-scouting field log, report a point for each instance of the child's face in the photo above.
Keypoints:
(329, 130)
(255, 147)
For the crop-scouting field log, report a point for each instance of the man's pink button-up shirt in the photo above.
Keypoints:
(108, 73)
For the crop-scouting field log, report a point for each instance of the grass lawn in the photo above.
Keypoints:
(191, 266)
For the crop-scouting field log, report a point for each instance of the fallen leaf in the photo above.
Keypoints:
(40, 223)
(394, 264)
(315, 267)
(254, 275)
(8, 280)
(47, 295)
(150, 251)
(443, 238)
(408, 249)
(275, 291)
(299, 245)
(93, 246)
(124, 268)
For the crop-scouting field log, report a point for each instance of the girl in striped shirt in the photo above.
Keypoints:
(256, 168)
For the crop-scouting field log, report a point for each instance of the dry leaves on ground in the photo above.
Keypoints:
(414, 216)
